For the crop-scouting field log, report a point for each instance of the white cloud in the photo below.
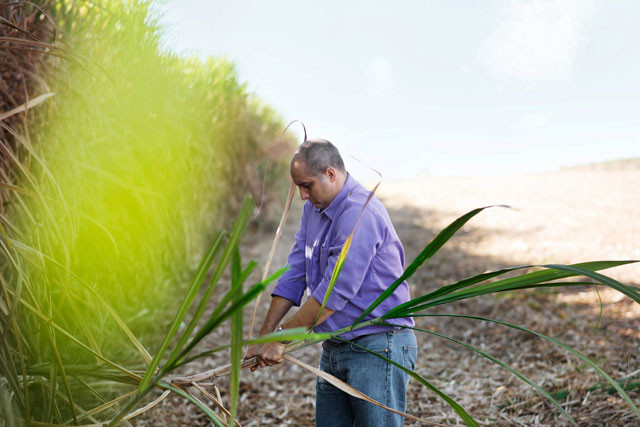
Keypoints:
(379, 76)
(537, 39)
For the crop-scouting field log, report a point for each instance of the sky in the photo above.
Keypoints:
(436, 87)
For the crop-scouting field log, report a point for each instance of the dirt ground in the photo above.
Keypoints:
(574, 215)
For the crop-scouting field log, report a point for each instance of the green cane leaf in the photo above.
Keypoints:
(433, 247)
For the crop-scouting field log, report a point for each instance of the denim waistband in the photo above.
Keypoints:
(332, 342)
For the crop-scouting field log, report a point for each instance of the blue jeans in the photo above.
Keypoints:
(371, 375)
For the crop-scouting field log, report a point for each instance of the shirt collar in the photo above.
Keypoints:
(345, 192)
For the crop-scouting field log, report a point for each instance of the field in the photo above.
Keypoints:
(569, 216)
(113, 184)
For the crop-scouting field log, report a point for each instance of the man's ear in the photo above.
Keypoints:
(331, 174)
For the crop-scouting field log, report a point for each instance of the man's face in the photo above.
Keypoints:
(319, 190)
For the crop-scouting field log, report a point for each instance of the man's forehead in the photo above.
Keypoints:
(299, 170)
(298, 165)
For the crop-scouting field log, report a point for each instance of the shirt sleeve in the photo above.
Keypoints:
(293, 282)
(366, 240)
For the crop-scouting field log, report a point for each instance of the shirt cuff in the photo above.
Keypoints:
(335, 301)
(291, 291)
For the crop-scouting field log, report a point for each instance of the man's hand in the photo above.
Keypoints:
(268, 355)
(271, 353)
(252, 351)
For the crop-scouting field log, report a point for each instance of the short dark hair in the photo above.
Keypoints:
(319, 154)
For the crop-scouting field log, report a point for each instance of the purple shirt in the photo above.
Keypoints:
(375, 260)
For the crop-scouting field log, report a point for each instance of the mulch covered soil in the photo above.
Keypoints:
(581, 214)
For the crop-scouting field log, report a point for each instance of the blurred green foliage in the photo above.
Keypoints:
(138, 158)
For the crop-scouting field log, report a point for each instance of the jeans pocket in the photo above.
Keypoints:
(377, 343)
(410, 356)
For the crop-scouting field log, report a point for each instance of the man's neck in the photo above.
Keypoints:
(341, 181)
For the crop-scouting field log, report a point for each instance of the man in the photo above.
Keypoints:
(375, 260)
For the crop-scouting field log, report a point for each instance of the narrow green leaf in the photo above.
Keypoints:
(47, 321)
(236, 335)
(208, 412)
(7, 362)
(244, 299)
(343, 256)
(182, 311)
(212, 323)
(227, 297)
(498, 362)
(293, 334)
(426, 253)
(8, 409)
(70, 299)
(335, 274)
(108, 306)
(62, 398)
(601, 312)
(454, 405)
(551, 273)
(63, 375)
(7, 370)
(248, 270)
(581, 356)
(104, 406)
(53, 381)
(91, 371)
(272, 251)
(80, 321)
(605, 280)
(234, 239)
(447, 289)
(529, 280)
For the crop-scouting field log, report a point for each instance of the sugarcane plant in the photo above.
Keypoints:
(176, 348)
(114, 168)
(20, 376)
(547, 276)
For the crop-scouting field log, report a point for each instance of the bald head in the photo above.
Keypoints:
(318, 155)
(318, 171)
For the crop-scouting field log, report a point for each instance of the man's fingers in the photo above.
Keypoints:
(255, 365)
(252, 351)
(270, 354)
(265, 363)
(272, 362)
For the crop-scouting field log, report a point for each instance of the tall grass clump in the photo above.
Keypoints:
(111, 190)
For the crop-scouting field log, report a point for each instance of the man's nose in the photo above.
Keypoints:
(304, 194)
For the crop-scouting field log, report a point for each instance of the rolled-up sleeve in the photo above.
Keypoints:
(292, 283)
(366, 241)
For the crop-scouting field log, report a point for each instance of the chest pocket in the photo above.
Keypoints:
(320, 252)
(324, 255)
